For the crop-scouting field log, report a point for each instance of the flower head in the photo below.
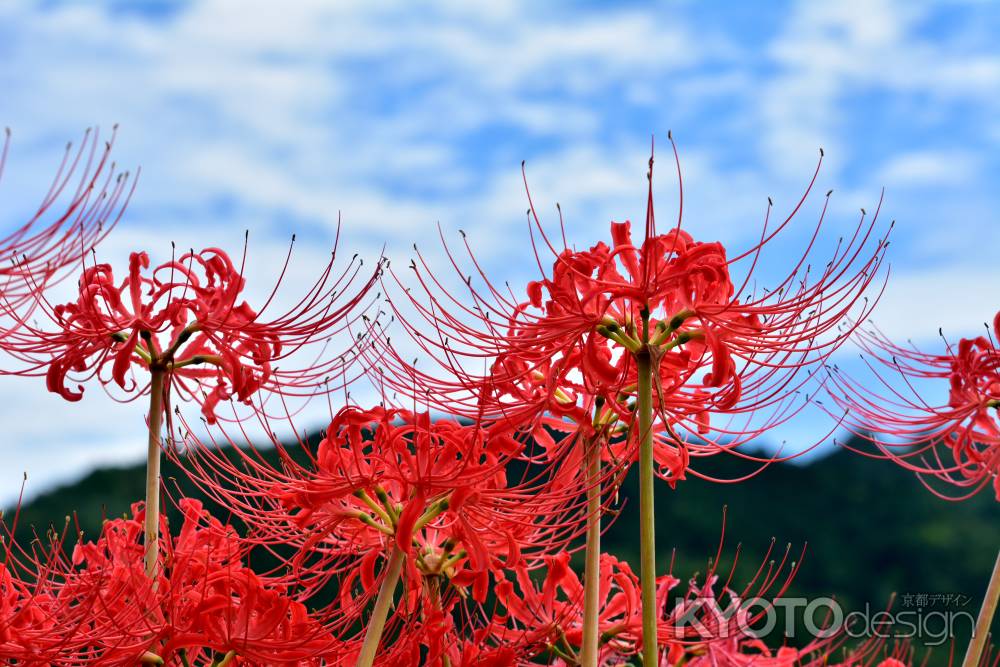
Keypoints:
(730, 359)
(937, 414)
(187, 318)
(98, 606)
(386, 480)
(549, 618)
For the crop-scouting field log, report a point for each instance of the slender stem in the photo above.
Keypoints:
(647, 534)
(152, 528)
(592, 573)
(975, 652)
(376, 624)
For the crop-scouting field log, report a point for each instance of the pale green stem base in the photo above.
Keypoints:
(152, 526)
(975, 651)
(376, 624)
(647, 526)
(592, 572)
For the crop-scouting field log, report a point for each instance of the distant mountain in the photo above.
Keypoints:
(871, 528)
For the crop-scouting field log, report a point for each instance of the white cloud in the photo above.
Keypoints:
(930, 168)
(955, 298)
(829, 54)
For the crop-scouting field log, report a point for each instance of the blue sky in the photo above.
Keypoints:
(274, 117)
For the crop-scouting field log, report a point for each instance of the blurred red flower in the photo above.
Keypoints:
(949, 433)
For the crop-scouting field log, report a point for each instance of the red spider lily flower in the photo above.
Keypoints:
(38, 252)
(713, 609)
(949, 433)
(186, 318)
(390, 495)
(203, 603)
(28, 635)
(721, 347)
(385, 480)
(186, 324)
(549, 620)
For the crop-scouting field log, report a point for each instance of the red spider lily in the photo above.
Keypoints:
(549, 620)
(100, 608)
(389, 494)
(186, 318)
(952, 437)
(28, 635)
(386, 479)
(701, 616)
(34, 256)
(720, 347)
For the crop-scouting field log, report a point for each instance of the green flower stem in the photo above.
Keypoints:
(227, 659)
(152, 527)
(975, 651)
(592, 572)
(376, 624)
(647, 526)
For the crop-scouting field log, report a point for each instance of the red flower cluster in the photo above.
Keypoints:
(186, 318)
(99, 607)
(390, 493)
(390, 481)
(954, 438)
(718, 347)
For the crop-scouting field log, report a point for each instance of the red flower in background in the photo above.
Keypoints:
(549, 618)
(542, 617)
(187, 318)
(951, 432)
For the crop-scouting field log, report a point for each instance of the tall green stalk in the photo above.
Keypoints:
(647, 525)
(151, 535)
(376, 624)
(592, 571)
(982, 630)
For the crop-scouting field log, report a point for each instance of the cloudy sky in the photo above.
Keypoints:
(273, 117)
